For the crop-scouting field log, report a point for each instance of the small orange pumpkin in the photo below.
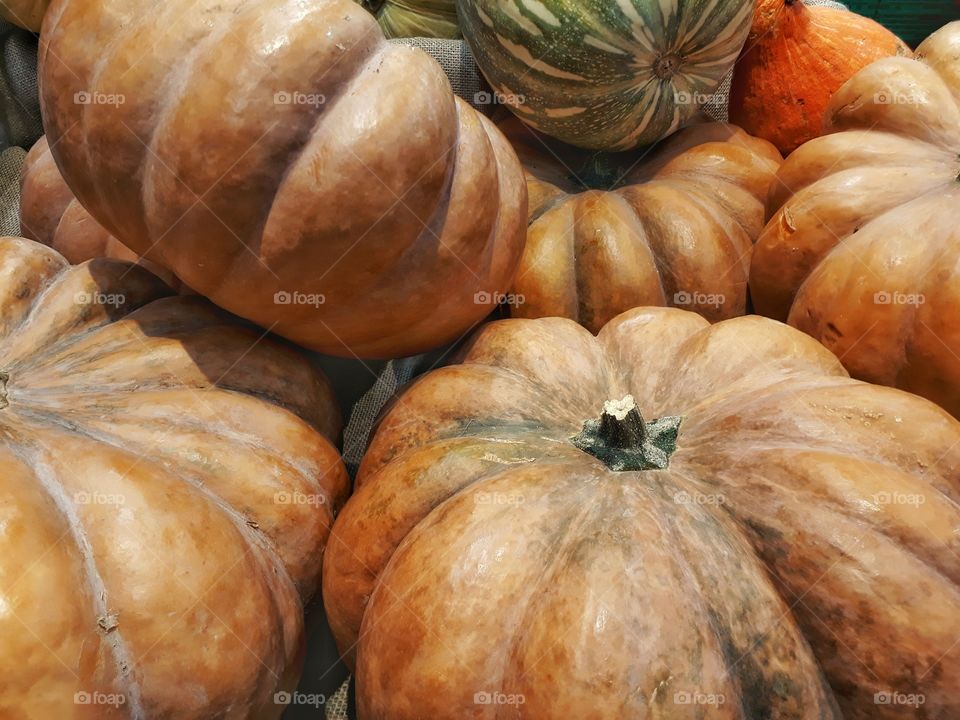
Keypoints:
(795, 58)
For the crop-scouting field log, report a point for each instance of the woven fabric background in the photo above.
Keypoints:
(363, 388)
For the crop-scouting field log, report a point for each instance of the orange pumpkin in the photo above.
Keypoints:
(610, 232)
(776, 536)
(287, 162)
(50, 214)
(168, 479)
(795, 58)
(863, 247)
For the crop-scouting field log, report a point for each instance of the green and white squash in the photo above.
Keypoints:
(416, 18)
(605, 74)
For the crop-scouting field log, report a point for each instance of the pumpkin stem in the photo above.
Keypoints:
(622, 440)
(4, 401)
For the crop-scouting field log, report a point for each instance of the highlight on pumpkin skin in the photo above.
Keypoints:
(605, 572)
(147, 444)
(796, 57)
(861, 248)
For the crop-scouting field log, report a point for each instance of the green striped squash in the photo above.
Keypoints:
(416, 18)
(605, 74)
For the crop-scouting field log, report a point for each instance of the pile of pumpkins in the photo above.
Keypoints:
(709, 468)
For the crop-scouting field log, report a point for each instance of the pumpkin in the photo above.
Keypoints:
(50, 214)
(416, 18)
(610, 232)
(169, 482)
(27, 14)
(796, 57)
(665, 517)
(285, 161)
(862, 247)
(605, 75)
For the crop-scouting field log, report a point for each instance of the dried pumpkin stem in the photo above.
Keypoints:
(4, 400)
(622, 440)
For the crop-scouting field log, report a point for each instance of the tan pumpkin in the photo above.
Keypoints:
(775, 540)
(796, 57)
(27, 14)
(168, 483)
(50, 214)
(284, 160)
(610, 232)
(863, 247)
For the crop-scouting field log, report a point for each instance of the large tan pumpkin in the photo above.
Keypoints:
(27, 14)
(863, 247)
(523, 544)
(284, 160)
(167, 486)
(50, 214)
(611, 232)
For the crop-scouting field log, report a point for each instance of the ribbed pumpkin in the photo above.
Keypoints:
(775, 540)
(27, 14)
(168, 485)
(50, 214)
(612, 232)
(286, 161)
(863, 247)
(605, 75)
(416, 18)
(796, 57)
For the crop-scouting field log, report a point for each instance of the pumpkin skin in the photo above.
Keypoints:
(861, 251)
(796, 57)
(417, 18)
(27, 14)
(678, 230)
(429, 198)
(146, 550)
(482, 552)
(50, 214)
(605, 75)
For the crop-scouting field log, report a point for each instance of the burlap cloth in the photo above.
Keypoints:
(363, 388)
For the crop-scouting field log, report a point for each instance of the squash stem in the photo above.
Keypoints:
(623, 441)
(4, 400)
